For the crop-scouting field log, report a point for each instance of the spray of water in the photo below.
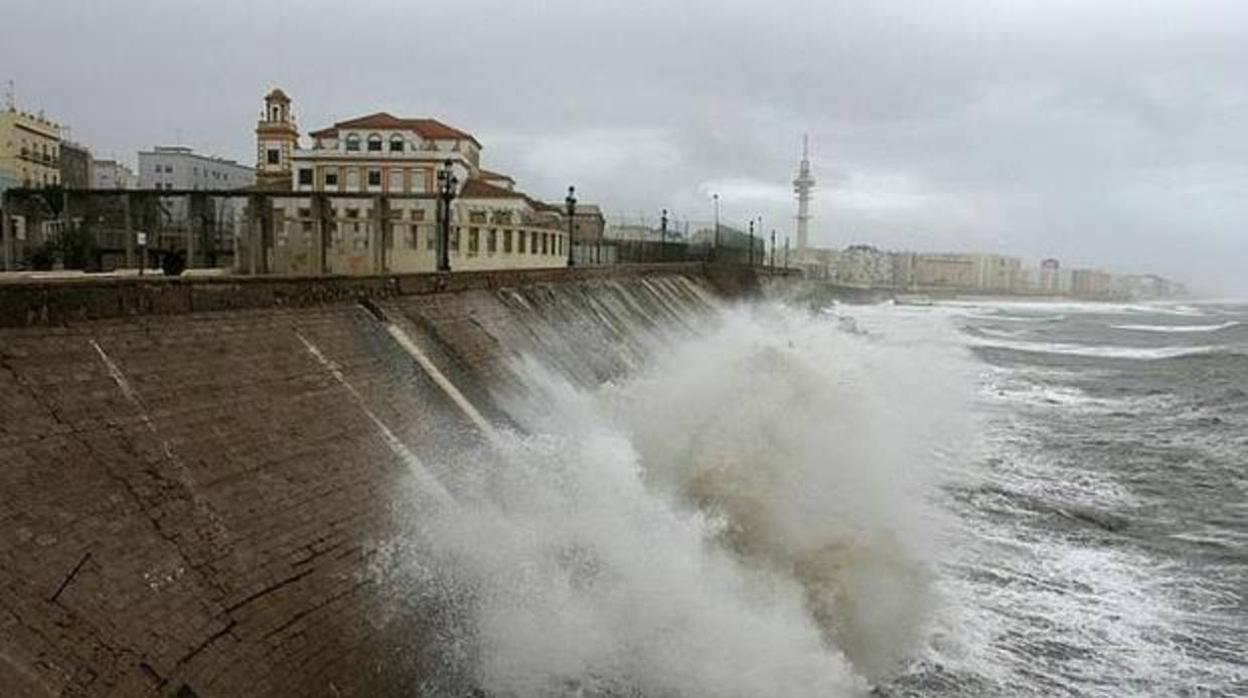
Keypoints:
(747, 515)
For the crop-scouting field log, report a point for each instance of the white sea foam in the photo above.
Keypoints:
(1177, 328)
(1098, 351)
(748, 515)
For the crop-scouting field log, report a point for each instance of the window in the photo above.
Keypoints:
(353, 143)
(305, 176)
(413, 237)
(476, 216)
(374, 178)
(374, 143)
(520, 236)
(353, 213)
(396, 144)
(491, 244)
(274, 156)
(396, 180)
(305, 212)
(473, 241)
(331, 178)
(506, 242)
(429, 240)
(418, 214)
(353, 179)
(455, 239)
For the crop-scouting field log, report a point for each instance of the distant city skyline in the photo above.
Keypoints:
(1106, 134)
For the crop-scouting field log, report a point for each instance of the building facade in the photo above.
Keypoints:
(1090, 283)
(179, 167)
(997, 273)
(110, 174)
(1050, 276)
(31, 149)
(865, 266)
(364, 199)
(76, 166)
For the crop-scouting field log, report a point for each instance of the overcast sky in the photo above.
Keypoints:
(1103, 132)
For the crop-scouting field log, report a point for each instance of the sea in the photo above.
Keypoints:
(1103, 545)
(769, 499)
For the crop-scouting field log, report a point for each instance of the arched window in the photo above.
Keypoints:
(353, 142)
(396, 143)
(374, 143)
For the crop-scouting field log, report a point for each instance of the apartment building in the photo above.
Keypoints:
(30, 149)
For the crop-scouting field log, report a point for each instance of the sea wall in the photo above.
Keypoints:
(196, 476)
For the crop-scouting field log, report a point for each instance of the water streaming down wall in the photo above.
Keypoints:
(693, 499)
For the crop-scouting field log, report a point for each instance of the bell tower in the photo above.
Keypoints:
(277, 136)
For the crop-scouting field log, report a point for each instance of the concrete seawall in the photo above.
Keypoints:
(194, 473)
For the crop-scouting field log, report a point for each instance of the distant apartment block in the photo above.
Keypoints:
(179, 167)
(1090, 283)
(1050, 276)
(110, 174)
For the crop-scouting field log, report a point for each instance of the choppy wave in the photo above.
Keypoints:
(1177, 328)
(1018, 318)
(1098, 351)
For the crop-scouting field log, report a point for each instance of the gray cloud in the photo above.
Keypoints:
(1107, 133)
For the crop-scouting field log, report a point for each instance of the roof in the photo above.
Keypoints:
(489, 174)
(477, 188)
(427, 128)
(277, 95)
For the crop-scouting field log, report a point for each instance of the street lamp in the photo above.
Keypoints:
(663, 236)
(751, 242)
(773, 249)
(716, 197)
(571, 202)
(447, 182)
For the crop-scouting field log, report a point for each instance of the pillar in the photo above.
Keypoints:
(128, 230)
(381, 233)
(6, 233)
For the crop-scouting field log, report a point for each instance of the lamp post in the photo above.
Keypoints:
(716, 197)
(773, 249)
(751, 242)
(663, 236)
(571, 202)
(447, 181)
(786, 252)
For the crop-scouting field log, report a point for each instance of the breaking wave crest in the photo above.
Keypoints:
(1177, 328)
(1097, 351)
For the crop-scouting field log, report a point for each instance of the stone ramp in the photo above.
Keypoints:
(184, 501)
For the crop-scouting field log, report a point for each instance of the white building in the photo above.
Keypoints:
(179, 167)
